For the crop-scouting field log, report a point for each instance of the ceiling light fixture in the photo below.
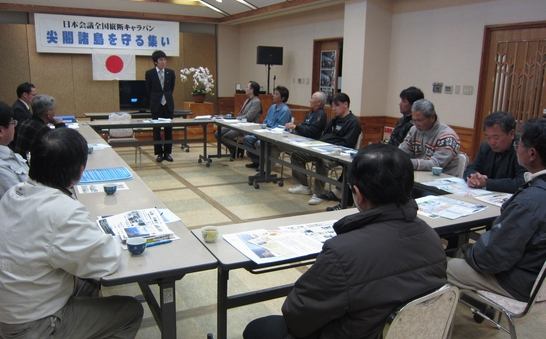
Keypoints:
(213, 8)
(249, 5)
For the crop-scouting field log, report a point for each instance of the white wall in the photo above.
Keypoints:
(376, 57)
(353, 52)
(228, 60)
(445, 44)
(295, 33)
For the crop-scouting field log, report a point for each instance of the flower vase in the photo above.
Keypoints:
(198, 98)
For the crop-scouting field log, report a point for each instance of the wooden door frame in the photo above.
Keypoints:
(316, 60)
(488, 30)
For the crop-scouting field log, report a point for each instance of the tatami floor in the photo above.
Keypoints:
(219, 195)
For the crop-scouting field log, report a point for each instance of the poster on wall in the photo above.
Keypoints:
(86, 35)
(328, 72)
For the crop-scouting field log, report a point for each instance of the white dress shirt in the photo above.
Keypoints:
(47, 239)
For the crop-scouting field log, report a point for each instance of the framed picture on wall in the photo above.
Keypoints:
(327, 77)
(328, 59)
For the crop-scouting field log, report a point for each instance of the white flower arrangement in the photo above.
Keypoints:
(203, 82)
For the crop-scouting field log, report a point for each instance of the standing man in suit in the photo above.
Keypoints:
(160, 86)
(21, 107)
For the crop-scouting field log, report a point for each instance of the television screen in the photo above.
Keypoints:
(133, 95)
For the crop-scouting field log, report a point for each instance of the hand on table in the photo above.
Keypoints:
(476, 180)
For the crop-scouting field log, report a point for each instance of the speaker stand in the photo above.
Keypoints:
(268, 74)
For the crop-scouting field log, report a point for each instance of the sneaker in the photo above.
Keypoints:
(299, 189)
(329, 196)
(315, 200)
(334, 208)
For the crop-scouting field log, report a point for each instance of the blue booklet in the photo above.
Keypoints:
(105, 174)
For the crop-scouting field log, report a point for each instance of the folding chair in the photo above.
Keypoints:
(462, 161)
(427, 317)
(511, 308)
(124, 137)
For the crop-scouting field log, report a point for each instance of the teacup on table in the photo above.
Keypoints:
(110, 189)
(437, 170)
(136, 245)
(210, 234)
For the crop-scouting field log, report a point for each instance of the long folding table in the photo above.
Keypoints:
(159, 265)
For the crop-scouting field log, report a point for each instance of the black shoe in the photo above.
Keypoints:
(168, 157)
(334, 208)
(252, 165)
(328, 196)
(241, 153)
(159, 158)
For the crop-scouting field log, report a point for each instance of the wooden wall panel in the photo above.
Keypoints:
(13, 60)
(52, 74)
(226, 105)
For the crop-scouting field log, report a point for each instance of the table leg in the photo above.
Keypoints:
(204, 157)
(344, 189)
(221, 315)
(165, 312)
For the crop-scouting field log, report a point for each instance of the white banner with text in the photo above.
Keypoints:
(83, 34)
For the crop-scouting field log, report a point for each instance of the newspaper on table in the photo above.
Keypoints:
(288, 242)
(456, 186)
(434, 206)
(147, 223)
(496, 199)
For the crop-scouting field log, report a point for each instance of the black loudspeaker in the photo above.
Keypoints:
(268, 55)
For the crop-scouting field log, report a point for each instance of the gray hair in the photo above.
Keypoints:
(41, 104)
(425, 107)
(322, 97)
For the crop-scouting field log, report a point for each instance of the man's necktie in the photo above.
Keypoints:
(162, 81)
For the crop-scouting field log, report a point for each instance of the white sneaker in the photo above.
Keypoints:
(314, 200)
(299, 189)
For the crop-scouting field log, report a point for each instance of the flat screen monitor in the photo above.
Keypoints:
(133, 95)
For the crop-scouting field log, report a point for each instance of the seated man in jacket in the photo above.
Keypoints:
(315, 121)
(43, 114)
(53, 253)
(429, 142)
(507, 258)
(13, 168)
(407, 98)
(381, 258)
(496, 166)
(277, 115)
(250, 112)
(342, 130)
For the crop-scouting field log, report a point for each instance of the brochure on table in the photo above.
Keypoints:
(99, 187)
(283, 243)
(434, 206)
(496, 199)
(147, 223)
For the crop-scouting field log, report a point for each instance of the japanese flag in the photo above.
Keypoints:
(114, 67)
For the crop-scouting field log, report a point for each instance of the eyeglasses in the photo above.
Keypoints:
(13, 122)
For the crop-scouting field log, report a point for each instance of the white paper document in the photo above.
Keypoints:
(99, 187)
(147, 223)
(435, 206)
(99, 147)
(456, 186)
(288, 242)
(496, 199)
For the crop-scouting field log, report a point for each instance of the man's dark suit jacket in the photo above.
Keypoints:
(20, 111)
(155, 92)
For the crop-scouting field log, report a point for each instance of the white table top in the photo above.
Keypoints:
(176, 258)
(228, 256)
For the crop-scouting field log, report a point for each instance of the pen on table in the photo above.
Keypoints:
(155, 243)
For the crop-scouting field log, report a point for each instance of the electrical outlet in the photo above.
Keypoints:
(468, 90)
(437, 87)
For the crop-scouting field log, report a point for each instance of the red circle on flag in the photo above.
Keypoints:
(114, 64)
